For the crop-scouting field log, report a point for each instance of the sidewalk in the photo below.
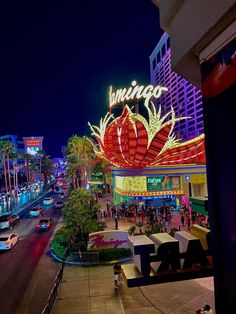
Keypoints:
(16, 209)
(91, 290)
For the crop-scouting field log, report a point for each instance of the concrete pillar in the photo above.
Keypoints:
(219, 90)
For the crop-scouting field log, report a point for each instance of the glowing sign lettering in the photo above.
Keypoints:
(33, 142)
(135, 92)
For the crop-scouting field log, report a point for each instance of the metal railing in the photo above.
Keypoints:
(53, 294)
(83, 258)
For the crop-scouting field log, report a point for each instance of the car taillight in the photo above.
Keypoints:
(47, 225)
(38, 225)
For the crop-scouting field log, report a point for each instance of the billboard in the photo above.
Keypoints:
(33, 145)
(163, 183)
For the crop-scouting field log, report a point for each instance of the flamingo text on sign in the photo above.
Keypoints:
(135, 92)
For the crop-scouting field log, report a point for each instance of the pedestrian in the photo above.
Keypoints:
(206, 309)
(182, 218)
(117, 275)
(116, 222)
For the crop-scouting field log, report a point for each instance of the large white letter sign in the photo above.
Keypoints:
(135, 92)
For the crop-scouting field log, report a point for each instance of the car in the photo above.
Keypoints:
(61, 195)
(59, 204)
(44, 224)
(8, 221)
(7, 241)
(48, 201)
(36, 211)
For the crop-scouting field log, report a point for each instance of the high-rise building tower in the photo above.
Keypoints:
(185, 98)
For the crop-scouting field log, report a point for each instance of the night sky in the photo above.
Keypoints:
(59, 58)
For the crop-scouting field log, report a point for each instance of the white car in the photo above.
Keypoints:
(48, 201)
(36, 211)
(7, 241)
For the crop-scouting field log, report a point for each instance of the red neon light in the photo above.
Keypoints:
(33, 143)
(125, 144)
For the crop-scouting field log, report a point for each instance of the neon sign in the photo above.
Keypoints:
(163, 183)
(135, 92)
(33, 143)
(132, 141)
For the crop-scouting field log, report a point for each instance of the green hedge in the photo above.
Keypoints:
(112, 254)
(59, 242)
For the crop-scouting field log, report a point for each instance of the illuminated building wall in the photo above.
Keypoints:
(185, 98)
(152, 183)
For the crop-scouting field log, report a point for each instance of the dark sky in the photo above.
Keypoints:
(59, 58)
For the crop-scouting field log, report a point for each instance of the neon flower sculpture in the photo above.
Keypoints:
(130, 141)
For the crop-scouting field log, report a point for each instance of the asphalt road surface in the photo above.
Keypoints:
(18, 264)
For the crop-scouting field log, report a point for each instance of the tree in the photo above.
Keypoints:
(79, 218)
(13, 157)
(27, 158)
(79, 154)
(47, 169)
(9, 148)
(40, 154)
(100, 165)
(3, 148)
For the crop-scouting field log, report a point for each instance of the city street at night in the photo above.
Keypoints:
(18, 264)
(117, 167)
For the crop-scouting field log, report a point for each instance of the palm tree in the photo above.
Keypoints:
(9, 148)
(72, 170)
(101, 165)
(34, 169)
(27, 157)
(40, 154)
(47, 169)
(79, 154)
(3, 148)
(13, 157)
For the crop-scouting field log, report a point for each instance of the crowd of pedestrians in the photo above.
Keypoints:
(133, 213)
(151, 214)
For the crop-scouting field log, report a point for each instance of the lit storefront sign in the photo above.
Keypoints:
(163, 183)
(148, 186)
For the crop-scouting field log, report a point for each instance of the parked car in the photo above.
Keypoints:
(7, 241)
(59, 204)
(44, 224)
(48, 201)
(8, 221)
(36, 211)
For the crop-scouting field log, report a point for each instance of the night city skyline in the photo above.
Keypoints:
(117, 169)
(58, 62)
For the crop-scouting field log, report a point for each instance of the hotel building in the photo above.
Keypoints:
(184, 97)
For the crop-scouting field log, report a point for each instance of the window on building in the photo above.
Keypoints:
(163, 51)
(168, 43)
(154, 63)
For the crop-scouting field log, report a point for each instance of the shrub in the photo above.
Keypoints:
(59, 242)
(58, 249)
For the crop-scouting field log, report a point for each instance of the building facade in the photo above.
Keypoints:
(185, 98)
(202, 35)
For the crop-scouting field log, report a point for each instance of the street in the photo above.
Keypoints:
(18, 264)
